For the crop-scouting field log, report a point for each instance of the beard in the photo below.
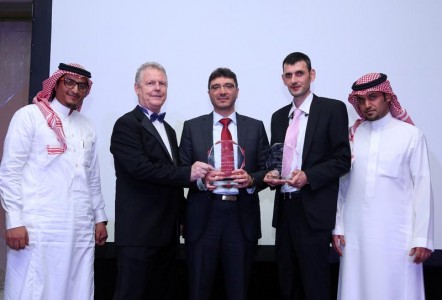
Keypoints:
(74, 106)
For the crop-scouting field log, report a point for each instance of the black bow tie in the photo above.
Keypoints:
(159, 117)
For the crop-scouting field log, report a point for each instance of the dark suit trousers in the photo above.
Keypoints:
(301, 254)
(145, 272)
(222, 240)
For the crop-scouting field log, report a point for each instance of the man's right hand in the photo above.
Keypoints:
(338, 242)
(17, 238)
(199, 170)
(211, 177)
(273, 180)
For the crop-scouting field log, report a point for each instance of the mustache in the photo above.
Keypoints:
(74, 94)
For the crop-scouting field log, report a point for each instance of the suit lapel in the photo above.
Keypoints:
(148, 126)
(241, 130)
(280, 127)
(312, 122)
(284, 123)
(207, 131)
(172, 141)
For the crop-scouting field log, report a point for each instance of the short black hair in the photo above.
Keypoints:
(295, 57)
(222, 72)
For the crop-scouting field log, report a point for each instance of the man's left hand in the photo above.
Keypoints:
(242, 178)
(420, 254)
(298, 180)
(100, 233)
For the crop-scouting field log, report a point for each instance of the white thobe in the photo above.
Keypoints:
(385, 210)
(58, 198)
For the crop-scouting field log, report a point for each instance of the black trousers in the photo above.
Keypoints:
(222, 241)
(301, 254)
(145, 272)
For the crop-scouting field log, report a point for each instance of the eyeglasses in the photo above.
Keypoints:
(226, 86)
(70, 84)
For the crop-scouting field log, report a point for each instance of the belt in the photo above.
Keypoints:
(225, 197)
(291, 195)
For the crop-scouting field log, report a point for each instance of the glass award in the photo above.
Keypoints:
(274, 161)
(226, 156)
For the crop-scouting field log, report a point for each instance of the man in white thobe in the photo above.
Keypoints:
(384, 220)
(50, 190)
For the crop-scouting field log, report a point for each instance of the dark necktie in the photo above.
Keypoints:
(160, 117)
(153, 116)
(227, 161)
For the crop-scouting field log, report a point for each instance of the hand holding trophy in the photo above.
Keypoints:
(279, 164)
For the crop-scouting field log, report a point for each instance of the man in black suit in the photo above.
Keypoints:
(223, 223)
(305, 202)
(149, 191)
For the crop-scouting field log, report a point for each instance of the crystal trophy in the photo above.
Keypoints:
(274, 161)
(226, 156)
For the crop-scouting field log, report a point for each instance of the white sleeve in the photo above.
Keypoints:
(95, 186)
(422, 197)
(200, 184)
(339, 225)
(17, 146)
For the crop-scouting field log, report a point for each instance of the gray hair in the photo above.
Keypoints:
(148, 65)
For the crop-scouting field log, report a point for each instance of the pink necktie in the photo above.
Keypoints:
(291, 137)
(227, 164)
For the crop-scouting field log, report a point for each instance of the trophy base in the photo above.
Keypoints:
(226, 182)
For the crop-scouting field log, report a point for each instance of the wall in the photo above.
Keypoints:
(344, 39)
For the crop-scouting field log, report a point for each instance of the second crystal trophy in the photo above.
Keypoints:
(275, 160)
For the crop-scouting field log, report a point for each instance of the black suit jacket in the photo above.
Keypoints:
(326, 157)
(149, 183)
(196, 140)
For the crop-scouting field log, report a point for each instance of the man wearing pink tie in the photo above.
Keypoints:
(314, 132)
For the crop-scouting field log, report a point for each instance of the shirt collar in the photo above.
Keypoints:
(146, 111)
(217, 117)
(305, 106)
(382, 121)
(59, 108)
